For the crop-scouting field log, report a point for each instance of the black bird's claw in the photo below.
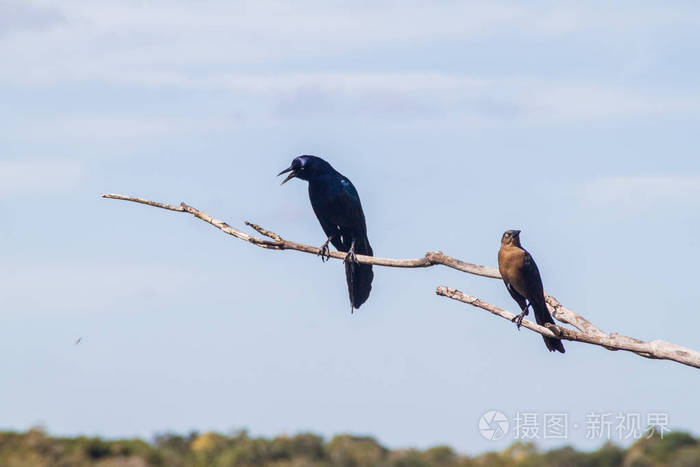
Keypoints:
(351, 257)
(518, 320)
(324, 252)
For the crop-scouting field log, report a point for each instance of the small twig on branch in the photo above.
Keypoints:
(589, 333)
(264, 232)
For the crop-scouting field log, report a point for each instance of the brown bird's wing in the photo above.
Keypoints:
(535, 294)
(516, 296)
(530, 284)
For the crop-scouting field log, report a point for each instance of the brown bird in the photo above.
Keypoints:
(522, 279)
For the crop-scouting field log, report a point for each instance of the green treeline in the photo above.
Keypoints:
(37, 449)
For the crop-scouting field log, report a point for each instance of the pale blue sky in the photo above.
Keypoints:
(573, 121)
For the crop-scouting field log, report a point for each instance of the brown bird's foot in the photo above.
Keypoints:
(518, 320)
(324, 252)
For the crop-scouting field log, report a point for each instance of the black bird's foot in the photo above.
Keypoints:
(518, 320)
(324, 252)
(351, 257)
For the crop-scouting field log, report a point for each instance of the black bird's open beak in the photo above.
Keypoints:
(290, 176)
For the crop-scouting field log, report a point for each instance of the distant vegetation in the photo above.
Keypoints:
(37, 449)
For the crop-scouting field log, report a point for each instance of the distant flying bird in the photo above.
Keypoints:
(522, 279)
(337, 206)
(78, 341)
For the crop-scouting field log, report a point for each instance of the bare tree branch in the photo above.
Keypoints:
(431, 258)
(654, 349)
(587, 332)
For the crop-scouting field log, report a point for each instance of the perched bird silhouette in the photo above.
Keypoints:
(337, 206)
(522, 279)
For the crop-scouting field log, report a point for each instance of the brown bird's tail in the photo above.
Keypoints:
(542, 317)
(359, 276)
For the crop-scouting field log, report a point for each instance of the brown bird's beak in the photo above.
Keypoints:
(289, 177)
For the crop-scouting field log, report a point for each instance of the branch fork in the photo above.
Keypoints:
(585, 332)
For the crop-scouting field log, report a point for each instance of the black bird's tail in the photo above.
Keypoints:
(359, 276)
(542, 316)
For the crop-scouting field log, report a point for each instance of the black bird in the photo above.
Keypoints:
(337, 206)
(522, 279)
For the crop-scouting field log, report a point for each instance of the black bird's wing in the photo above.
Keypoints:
(323, 197)
(351, 208)
(333, 232)
(359, 276)
(339, 211)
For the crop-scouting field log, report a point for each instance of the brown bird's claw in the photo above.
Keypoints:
(324, 252)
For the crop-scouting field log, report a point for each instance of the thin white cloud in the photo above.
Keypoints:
(263, 99)
(111, 40)
(39, 176)
(470, 96)
(637, 192)
(250, 100)
(20, 15)
(194, 46)
(107, 40)
(104, 128)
